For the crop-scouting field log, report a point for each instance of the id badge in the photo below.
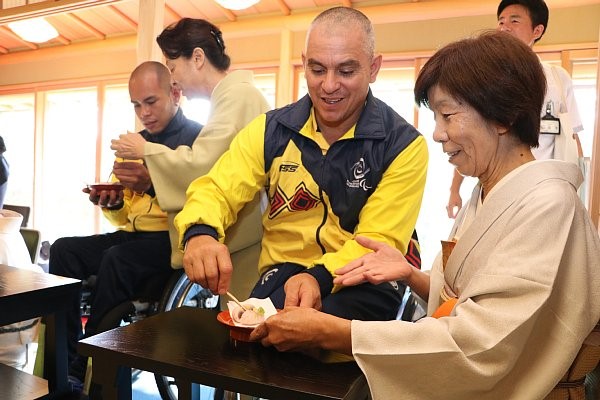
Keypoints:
(549, 125)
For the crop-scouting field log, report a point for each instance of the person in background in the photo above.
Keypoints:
(195, 54)
(337, 163)
(137, 254)
(527, 20)
(520, 291)
(4, 172)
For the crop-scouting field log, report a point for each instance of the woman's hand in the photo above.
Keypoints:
(304, 329)
(129, 146)
(384, 264)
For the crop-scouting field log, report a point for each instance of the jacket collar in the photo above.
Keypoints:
(173, 128)
(369, 125)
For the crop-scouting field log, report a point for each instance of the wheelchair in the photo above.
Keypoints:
(178, 292)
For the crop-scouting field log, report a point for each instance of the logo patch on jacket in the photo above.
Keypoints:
(359, 171)
(288, 166)
(301, 200)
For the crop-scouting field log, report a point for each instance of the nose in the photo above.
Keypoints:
(439, 133)
(330, 82)
(503, 28)
(146, 109)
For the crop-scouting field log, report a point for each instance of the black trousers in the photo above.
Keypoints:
(123, 262)
(366, 302)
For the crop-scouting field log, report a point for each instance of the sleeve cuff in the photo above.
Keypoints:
(323, 277)
(200, 229)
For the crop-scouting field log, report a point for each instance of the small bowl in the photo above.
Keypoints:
(99, 186)
(240, 333)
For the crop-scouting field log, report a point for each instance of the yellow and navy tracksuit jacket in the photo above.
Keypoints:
(370, 182)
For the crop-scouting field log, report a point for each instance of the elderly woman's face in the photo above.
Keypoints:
(470, 141)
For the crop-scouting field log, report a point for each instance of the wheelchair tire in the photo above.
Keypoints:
(180, 292)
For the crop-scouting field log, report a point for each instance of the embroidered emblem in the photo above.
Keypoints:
(359, 171)
(301, 200)
(267, 275)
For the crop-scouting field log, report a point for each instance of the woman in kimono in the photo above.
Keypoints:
(520, 291)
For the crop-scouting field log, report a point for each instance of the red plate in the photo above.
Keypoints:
(235, 332)
(106, 186)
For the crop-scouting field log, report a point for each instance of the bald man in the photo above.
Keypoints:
(138, 253)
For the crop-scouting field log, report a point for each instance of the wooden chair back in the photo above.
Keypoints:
(573, 384)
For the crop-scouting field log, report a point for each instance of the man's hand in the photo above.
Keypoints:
(302, 290)
(208, 263)
(133, 175)
(129, 145)
(104, 198)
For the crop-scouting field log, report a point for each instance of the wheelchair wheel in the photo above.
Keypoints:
(181, 292)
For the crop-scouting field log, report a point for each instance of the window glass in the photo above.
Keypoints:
(68, 163)
(395, 87)
(118, 118)
(17, 128)
(584, 87)
(196, 109)
(266, 83)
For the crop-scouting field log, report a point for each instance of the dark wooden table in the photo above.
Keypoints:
(190, 345)
(26, 294)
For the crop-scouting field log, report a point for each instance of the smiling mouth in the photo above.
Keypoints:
(332, 101)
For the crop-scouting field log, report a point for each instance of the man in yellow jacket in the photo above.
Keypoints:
(337, 163)
(138, 253)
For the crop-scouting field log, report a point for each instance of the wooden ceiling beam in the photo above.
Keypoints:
(172, 13)
(46, 8)
(285, 10)
(62, 40)
(86, 26)
(10, 33)
(132, 24)
(228, 13)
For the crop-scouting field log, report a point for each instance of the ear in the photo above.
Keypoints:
(375, 67)
(303, 61)
(501, 129)
(538, 31)
(198, 57)
(176, 94)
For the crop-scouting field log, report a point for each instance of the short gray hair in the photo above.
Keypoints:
(345, 16)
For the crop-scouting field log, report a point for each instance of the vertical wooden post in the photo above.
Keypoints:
(594, 195)
(150, 25)
(285, 74)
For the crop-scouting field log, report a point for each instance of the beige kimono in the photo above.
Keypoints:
(527, 275)
(235, 102)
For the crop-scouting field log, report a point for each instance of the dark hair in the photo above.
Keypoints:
(182, 37)
(538, 11)
(496, 74)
